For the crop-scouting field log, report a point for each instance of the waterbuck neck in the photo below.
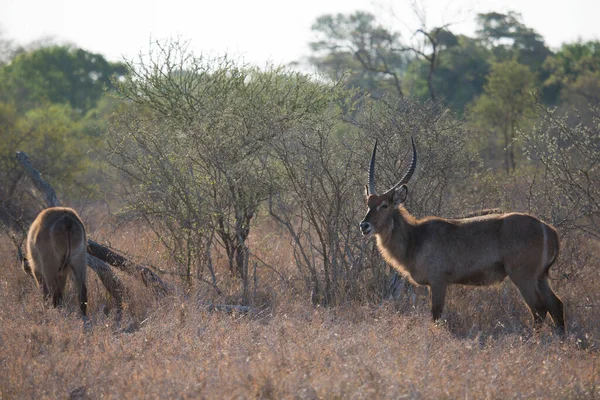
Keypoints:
(394, 242)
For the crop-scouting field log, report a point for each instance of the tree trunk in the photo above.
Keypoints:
(506, 157)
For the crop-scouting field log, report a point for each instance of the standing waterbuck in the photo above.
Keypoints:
(56, 244)
(479, 250)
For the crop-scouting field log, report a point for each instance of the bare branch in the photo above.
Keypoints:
(44, 187)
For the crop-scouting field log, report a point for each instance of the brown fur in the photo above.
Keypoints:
(480, 250)
(57, 243)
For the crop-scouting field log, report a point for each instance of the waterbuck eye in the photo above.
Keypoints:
(383, 206)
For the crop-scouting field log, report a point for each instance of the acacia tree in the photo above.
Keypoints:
(567, 147)
(194, 149)
(316, 203)
(564, 189)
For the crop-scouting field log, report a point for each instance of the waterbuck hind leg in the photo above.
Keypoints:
(438, 297)
(42, 283)
(83, 299)
(79, 267)
(59, 288)
(534, 302)
(57, 297)
(553, 303)
(45, 292)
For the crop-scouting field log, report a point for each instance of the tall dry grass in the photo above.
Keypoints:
(174, 347)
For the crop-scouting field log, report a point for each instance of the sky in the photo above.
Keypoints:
(263, 31)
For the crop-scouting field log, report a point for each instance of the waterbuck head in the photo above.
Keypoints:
(379, 215)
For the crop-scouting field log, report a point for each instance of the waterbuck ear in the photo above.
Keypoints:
(400, 195)
(366, 191)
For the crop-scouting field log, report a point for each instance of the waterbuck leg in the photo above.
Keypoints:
(80, 277)
(438, 297)
(44, 285)
(78, 265)
(553, 304)
(59, 287)
(534, 302)
(57, 297)
(83, 299)
(46, 290)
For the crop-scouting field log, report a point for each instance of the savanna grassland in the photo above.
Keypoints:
(174, 347)
(242, 186)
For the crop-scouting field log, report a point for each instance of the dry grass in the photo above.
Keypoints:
(174, 348)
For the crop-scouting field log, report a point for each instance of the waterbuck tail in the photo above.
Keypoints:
(555, 244)
(68, 224)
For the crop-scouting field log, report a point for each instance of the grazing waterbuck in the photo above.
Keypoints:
(480, 250)
(56, 244)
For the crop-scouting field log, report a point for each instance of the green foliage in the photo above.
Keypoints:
(502, 108)
(573, 74)
(355, 48)
(509, 83)
(460, 74)
(57, 74)
(508, 38)
(54, 141)
(52, 107)
(93, 122)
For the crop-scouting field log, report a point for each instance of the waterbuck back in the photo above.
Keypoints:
(56, 245)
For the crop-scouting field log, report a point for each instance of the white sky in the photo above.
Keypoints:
(262, 31)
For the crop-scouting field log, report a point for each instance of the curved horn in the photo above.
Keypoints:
(411, 169)
(372, 170)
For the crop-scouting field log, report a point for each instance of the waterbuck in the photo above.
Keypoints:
(56, 244)
(480, 250)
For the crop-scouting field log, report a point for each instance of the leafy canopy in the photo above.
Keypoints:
(57, 74)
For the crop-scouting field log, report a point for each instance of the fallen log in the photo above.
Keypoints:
(117, 260)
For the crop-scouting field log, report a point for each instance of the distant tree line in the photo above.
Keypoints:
(437, 63)
(491, 79)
